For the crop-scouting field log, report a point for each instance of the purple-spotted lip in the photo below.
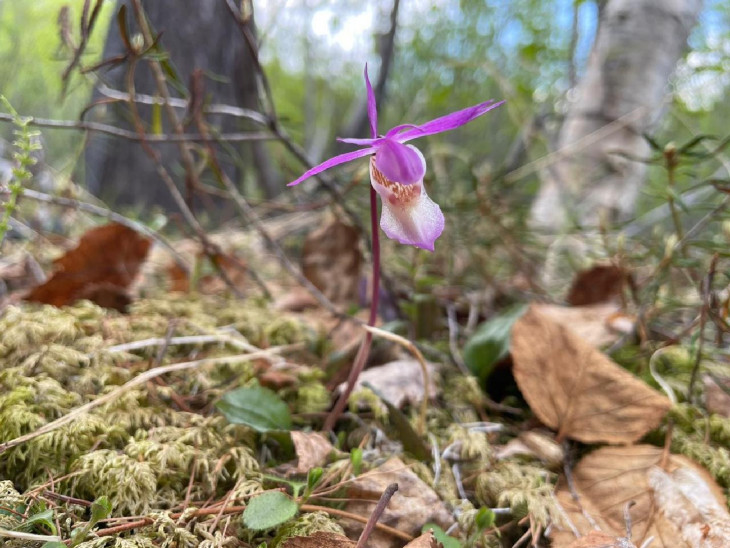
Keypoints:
(395, 193)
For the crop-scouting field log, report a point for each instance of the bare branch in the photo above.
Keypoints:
(134, 136)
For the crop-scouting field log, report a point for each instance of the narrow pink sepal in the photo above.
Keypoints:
(448, 122)
(334, 161)
(372, 107)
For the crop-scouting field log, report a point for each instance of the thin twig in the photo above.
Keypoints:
(706, 296)
(214, 108)
(114, 131)
(29, 536)
(454, 340)
(189, 339)
(377, 512)
(136, 381)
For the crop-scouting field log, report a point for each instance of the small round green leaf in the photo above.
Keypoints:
(257, 407)
(268, 510)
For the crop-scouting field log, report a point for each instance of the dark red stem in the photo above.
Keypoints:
(364, 351)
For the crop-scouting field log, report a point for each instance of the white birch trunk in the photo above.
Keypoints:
(620, 96)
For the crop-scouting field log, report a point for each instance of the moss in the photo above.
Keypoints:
(702, 438)
(524, 488)
(305, 525)
(140, 450)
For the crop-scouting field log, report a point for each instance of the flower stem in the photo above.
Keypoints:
(364, 351)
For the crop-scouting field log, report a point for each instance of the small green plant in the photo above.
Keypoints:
(268, 510)
(25, 143)
(101, 509)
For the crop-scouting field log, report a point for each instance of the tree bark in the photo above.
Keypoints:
(196, 34)
(618, 99)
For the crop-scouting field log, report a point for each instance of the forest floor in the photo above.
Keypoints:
(145, 406)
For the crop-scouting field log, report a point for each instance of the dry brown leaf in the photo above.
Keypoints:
(400, 382)
(599, 324)
(575, 389)
(673, 504)
(717, 395)
(277, 379)
(296, 299)
(179, 280)
(331, 260)
(599, 284)
(312, 449)
(100, 268)
(597, 539)
(533, 443)
(412, 506)
(320, 539)
(426, 540)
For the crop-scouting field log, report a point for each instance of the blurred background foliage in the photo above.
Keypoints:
(449, 54)
(31, 63)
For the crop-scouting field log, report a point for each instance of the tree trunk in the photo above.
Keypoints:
(197, 34)
(618, 99)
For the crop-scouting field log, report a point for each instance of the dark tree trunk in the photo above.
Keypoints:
(197, 34)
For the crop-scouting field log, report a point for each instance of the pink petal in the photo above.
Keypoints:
(400, 163)
(372, 107)
(392, 132)
(448, 122)
(335, 161)
(408, 215)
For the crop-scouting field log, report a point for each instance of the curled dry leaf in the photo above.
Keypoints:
(320, 539)
(312, 449)
(426, 540)
(101, 268)
(412, 506)
(577, 390)
(400, 382)
(533, 443)
(678, 503)
(599, 284)
(599, 324)
(331, 260)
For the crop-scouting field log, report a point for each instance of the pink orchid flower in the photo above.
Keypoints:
(396, 172)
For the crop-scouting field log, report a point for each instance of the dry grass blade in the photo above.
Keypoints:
(577, 390)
